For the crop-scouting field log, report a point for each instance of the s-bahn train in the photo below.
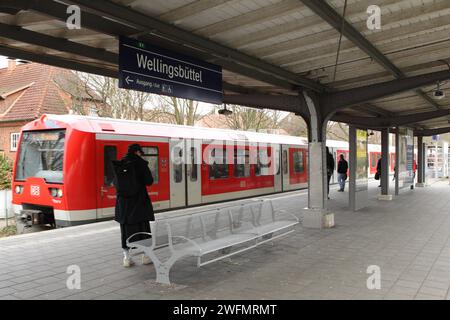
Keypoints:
(63, 172)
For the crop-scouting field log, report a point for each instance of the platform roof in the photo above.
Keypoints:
(271, 47)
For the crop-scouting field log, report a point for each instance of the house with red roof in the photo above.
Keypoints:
(28, 90)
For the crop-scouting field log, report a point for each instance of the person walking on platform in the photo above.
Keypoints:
(342, 172)
(133, 209)
(378, 173)
(330, 169)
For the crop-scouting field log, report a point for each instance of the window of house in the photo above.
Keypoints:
(110, 154)
(151, 154)
(218, 169)
(14, 141)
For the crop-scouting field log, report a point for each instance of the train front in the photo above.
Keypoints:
(38, 180)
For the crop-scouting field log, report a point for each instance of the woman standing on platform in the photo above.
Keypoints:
(134, 209)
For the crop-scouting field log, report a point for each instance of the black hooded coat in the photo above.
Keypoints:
(138, 208)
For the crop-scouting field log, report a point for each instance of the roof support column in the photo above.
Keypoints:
(420, 162)
(316, 215)
(385, 157)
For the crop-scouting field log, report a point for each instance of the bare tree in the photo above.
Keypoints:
(115, 102)
(294, 125)
(244, 118)
(176, 110)
(337, 131)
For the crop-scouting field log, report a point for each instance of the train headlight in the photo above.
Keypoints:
(18, 189)
(54, 192)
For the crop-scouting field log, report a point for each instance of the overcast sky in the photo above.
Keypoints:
(3, 62)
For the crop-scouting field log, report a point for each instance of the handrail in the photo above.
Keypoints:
(128, 239)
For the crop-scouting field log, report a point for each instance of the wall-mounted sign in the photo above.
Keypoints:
(148, 68)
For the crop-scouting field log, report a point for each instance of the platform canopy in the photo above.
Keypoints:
(270, 50)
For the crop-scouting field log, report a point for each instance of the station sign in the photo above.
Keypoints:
(149, 68)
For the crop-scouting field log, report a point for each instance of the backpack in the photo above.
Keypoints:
(125, 179)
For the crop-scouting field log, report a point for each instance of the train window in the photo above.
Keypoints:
(241, 163)
(151, 154)
(178, 165)
(262, 162)
(110, 154)
(219, 167)
(372, 161)
(277, 161)
(193, 164)
(41, 154)
(298, 161)
(285, 161)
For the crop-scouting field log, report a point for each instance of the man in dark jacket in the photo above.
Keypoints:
(342, 172)
(330, 169)
(134, 212)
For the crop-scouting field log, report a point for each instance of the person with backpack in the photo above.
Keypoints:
(133, 209)
(342, 172)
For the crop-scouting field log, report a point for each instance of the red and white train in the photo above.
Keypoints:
(63, 174)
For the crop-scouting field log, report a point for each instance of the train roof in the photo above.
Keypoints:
(144, 128)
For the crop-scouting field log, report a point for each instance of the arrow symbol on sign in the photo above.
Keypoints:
(128, 80)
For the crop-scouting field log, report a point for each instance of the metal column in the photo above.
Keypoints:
(420, 162)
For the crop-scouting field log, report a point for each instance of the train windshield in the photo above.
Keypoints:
(41, 155)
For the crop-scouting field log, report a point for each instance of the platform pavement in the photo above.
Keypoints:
(408, 238)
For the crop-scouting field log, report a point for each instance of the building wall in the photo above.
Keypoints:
(5, 137)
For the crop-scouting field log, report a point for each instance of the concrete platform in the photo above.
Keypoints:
(407, 238)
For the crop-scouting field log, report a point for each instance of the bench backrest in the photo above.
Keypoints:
(214, 224)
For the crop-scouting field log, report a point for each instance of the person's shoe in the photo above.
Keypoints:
(379, 186)
(146, 260)
(127, 262)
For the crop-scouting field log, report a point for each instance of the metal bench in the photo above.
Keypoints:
(212, 235)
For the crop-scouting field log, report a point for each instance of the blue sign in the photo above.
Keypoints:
(148, 68)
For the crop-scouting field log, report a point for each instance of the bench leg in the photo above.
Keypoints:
(162, 273)
(162, 268)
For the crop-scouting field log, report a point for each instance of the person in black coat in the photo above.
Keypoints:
(330, 169)
(378, 173)
(134, 213)
(342, 172)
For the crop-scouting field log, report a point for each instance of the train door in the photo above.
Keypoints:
(193, 177)
(285, 167)
(277, 167)
(106, 193)
(156, 153)
(177, 174)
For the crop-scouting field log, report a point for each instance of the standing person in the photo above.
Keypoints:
(342, 172)
(414, 169)
(330, 169)
(378, 173)
(134, 209)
